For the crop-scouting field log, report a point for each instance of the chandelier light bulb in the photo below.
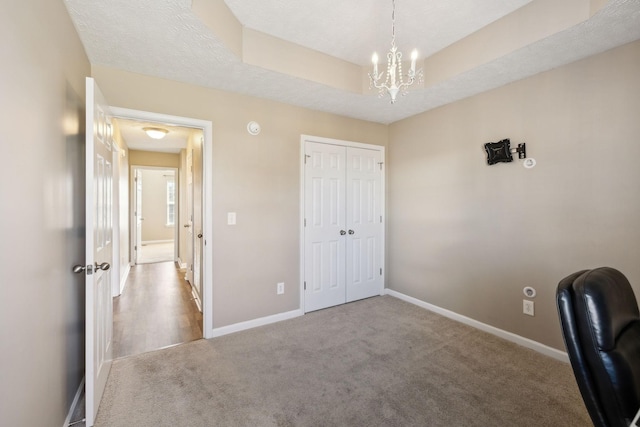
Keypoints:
(414, 56)
(374, 59)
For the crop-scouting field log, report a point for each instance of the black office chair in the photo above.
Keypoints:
(601, 328)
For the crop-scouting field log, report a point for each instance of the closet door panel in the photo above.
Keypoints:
(364, 224)
(325, 212)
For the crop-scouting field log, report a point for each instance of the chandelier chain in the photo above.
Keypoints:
(393, 23)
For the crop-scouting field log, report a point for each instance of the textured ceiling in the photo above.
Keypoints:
(357, 28)
(165, 38)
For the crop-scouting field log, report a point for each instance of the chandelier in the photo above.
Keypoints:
(395, 82)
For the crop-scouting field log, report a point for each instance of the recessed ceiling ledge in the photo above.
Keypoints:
(262, 50)
(217, 16)
(272, 53)
(519, 29)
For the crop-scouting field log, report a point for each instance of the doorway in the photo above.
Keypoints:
(154, 216)
(193, 323)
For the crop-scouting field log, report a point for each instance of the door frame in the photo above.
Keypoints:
(309, 138)
(207, 202)
(132, 208)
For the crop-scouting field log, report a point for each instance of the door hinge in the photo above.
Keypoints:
(305, 222)
(380, 219)
(381, 272)
(135, 248)
(305, 286)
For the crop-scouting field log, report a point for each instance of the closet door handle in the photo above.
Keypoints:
(351, 232)
(342, 232)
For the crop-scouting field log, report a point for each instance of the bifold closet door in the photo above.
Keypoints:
(364, 224)
(343, 225)
(325, 230)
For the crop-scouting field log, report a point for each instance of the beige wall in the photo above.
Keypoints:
(42, 80)
(258, 177)
(154, 205)
(152, 158)
(468, 237)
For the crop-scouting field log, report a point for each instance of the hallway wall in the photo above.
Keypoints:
(42, 129)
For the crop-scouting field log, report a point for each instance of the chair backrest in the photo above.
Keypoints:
(601, 329)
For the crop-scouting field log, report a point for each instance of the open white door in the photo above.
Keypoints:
(197, 220)
(138, 215)
(99, 223)
(188, 221)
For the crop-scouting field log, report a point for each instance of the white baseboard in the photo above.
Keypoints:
(74, 404)
(124, 276)
(242, 326)
(196, 298)
(509, 336)
(151, 242)
(181, 264)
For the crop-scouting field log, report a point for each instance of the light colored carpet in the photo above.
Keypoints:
(377, 362)
(156, 252)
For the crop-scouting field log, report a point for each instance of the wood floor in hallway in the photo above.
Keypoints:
(155, 310)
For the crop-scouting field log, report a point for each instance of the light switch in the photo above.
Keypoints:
(231, 218)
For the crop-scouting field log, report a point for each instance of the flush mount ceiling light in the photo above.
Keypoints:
(156, 133)
(394, 81)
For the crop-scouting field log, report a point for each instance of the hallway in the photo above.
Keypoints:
(155, 310)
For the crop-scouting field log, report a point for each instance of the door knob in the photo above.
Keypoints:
(104, 266)
(199, 235)
(342, 232)
(351, 232)
(79, 269)
(187, 225)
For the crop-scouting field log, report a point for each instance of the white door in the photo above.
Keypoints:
(197, 218)
(364, 223)
(325, 228)
(138, 215)
(99, 223)
(343, 230)
(188, 221)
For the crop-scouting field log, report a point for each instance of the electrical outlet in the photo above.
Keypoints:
(280, 288)
(527, 307)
